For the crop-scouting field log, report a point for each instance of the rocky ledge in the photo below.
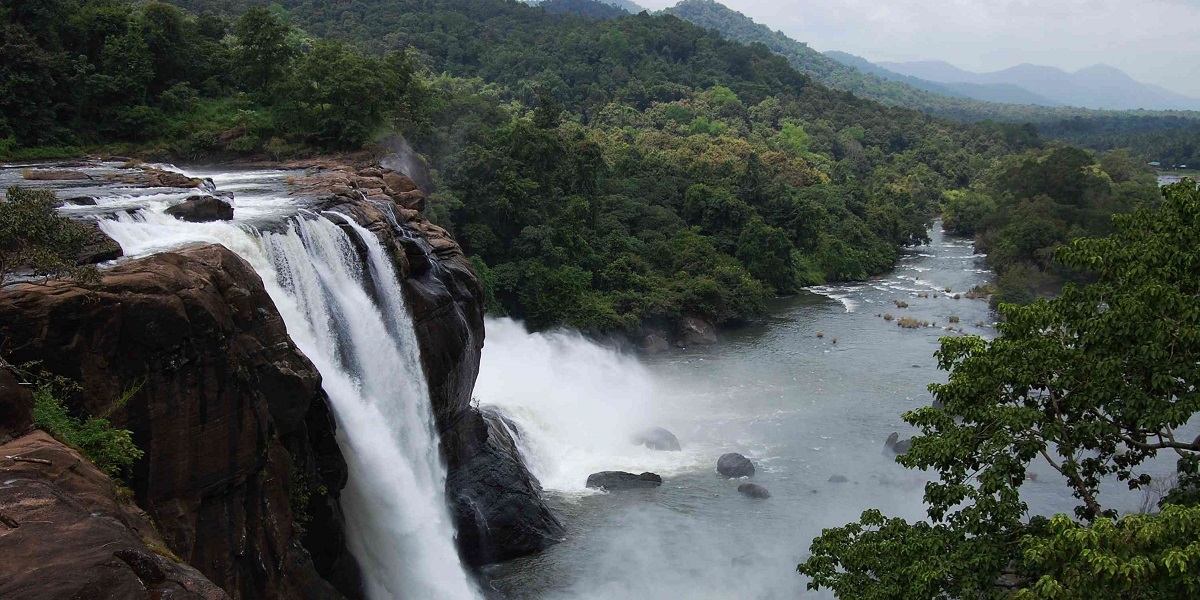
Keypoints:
(230, 414)
(65, 532)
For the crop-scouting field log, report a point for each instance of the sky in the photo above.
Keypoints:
(1154, 41)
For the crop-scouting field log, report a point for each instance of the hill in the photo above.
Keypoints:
(999, 92)
(1098, 87)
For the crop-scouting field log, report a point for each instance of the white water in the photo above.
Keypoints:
(576, 405)
(362, 342)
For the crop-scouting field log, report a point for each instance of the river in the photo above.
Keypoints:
(808, 394)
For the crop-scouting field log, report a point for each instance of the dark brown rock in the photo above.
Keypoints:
(54, 175)
(694, 331)
(230, 414)
(399, 183)
(202, 209)
(413, 200)
(16, 406)
(100, 247)
(67, 535)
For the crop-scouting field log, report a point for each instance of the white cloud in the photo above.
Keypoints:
(1152, 40)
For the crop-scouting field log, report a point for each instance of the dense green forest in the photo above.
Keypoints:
(1027, 205)
(1172, 137)
(84, 73)
(605, 174)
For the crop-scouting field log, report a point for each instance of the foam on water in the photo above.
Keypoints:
(577, 405)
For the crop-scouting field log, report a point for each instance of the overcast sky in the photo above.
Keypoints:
(1155, 41)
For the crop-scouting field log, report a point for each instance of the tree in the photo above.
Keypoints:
(34, 237)
(1095, 383)
(264, 52)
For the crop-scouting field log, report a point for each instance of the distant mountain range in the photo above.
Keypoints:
(991, 92)
(1100, 86)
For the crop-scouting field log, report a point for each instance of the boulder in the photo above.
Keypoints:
(81, 201)
(838, 479)
(657, 438)
(54, 175)
(615, 481)
(99, 248)
(66, 534)
(735, 465)
(754, 490)
(16, 406)
(230, 414)
(655, 342)
(399, 183)
(895, 445)
(695, 332)
(414, 200)
(155, 177)
(201, 209)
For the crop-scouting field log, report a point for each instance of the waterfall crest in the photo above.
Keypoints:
(347, 313)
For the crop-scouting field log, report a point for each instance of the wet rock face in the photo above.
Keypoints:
(229, 413)
(64, 534)
(495, 502)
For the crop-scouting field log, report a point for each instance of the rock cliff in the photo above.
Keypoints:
(230, 415)
(66, 533)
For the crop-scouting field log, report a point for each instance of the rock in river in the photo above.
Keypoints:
(754, 490)
(895, 445)
(735, 465)
(201, 209)
(657, 438)
(620, 480)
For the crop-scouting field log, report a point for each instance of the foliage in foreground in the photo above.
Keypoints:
(34, 237)
(1094, 383)
(112, 450)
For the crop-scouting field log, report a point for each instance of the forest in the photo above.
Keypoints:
(606, 174)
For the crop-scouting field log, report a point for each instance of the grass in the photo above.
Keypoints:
(954, 319)
(981, 292)
(911, 323)
(112, 450)
(900, 303)
(887, 316)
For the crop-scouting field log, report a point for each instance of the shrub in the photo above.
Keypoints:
(911, 323)
(112, 450)
(900, 303)
(954, 319)
(887, 316)
(33, 236)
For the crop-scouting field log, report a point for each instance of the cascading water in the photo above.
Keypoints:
(357, 330)
(576, 404)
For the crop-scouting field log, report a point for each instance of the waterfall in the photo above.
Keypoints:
(349, 317)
